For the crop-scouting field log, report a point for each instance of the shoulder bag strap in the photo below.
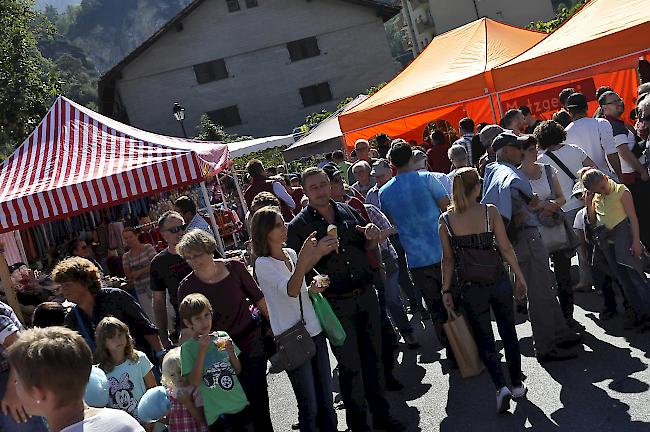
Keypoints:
(549, 179)
(445, 219)
(487, 220)
(561, 165)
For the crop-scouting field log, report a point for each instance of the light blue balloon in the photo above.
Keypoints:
(97, 389)
(154, 404)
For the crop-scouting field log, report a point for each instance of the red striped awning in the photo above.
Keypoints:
(78, 160)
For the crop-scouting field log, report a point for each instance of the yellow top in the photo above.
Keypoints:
(609, 208)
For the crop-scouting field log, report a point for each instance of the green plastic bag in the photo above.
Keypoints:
(328, 320)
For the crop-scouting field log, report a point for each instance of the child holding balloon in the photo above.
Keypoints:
(129, 371)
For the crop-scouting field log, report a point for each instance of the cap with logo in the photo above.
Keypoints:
(508, 139)
(380, 167)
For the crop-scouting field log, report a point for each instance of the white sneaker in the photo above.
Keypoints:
(519, 391)
(503, 400)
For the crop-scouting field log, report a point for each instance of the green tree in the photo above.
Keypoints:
(563, 13)
(28, 83)
(207, 130)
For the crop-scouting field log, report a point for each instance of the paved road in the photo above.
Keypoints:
(604, 389)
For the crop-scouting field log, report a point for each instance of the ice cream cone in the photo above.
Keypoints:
(333, 231)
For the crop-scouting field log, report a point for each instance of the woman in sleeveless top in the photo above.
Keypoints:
(468, 225)
(545, 184)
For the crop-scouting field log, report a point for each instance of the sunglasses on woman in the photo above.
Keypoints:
(177, 229)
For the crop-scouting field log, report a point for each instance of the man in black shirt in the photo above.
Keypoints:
(352, 298)
(167, 270)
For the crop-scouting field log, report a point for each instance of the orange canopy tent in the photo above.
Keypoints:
(600, 45)
(448, 80)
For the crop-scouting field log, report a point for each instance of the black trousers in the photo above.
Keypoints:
(429, 281)
(361, 371)
(253, 381)
(389, 339)
(562, 269)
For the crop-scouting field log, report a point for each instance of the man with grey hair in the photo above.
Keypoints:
(457, 156)
(167, 270)
(506, 187)
(487, 135)
(365, 181)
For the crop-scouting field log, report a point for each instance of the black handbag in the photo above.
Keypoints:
(481, 266)
(294, 346)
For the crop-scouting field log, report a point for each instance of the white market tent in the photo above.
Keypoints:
(242, 148)
(325, 137)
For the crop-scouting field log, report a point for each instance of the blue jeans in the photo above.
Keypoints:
(394, 305)
(477, 301)
(634, 285)
(8, 424)
(312, 384)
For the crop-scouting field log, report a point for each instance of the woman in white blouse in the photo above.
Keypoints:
(281, 273)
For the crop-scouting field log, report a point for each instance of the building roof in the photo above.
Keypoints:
(384, 8)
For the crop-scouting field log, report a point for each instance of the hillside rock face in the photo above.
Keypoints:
(60, 5)
(108, 30)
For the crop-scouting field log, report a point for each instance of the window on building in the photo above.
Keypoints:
(226, 117)
(316, 94)
(303, 48)
(211, 71)
(233, 5)
(251, 3)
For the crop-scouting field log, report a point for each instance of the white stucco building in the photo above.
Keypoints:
(257, 67)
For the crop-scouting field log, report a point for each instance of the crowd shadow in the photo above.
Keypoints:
(582, 399)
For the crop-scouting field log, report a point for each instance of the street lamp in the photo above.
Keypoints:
(179, 115)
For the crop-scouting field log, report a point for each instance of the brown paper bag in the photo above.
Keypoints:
(463, 345)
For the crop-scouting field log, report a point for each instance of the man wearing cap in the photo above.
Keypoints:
(487, 135)
(593, 135)
(510, 191)
(412, 201)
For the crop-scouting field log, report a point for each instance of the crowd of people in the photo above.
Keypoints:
(395, 229)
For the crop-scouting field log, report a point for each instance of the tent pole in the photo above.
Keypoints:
(239, 192)
(215, 227)
(494, 113)
(499, 102)
(9, 289)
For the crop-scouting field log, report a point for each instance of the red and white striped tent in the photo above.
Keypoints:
(78, 160)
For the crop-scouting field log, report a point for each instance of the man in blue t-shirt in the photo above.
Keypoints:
(412, 200)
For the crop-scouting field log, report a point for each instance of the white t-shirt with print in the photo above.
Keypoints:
(284, 311)
(595, 137)
(579, 222)
(126, 384)
(630, 141)
(572, 157)
(106, 420)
